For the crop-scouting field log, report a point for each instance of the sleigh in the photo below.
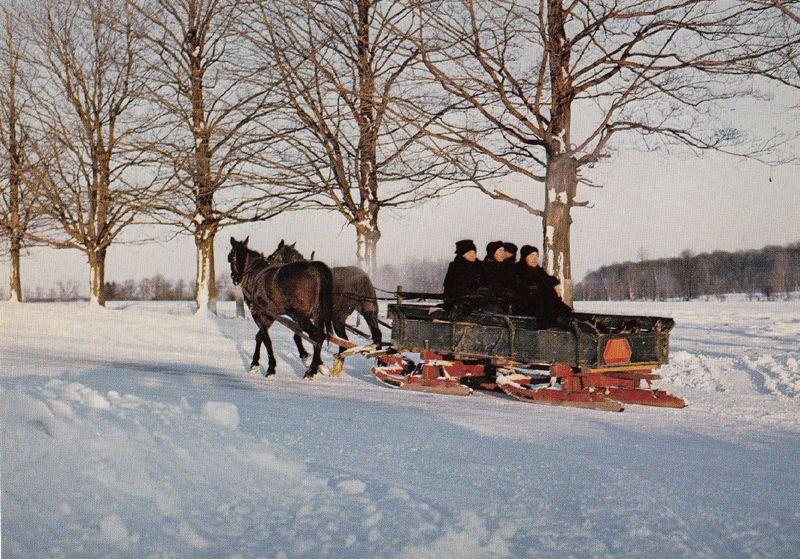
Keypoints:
(595, 361)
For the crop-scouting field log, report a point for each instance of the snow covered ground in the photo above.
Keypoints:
(137, 432)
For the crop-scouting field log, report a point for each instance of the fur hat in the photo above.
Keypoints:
(510, 247)
(464, 246)
(492, 247)
(526, 250)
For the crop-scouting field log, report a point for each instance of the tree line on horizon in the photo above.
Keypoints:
(190, 116)
(772, 271)
(157, 287)
(768, 271)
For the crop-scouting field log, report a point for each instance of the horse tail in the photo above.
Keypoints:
(326, 299)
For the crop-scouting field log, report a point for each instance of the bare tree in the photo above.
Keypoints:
(527, 70)
(84, 100)
(19, 212)
(215, 124)
(348, 76)
(783, 65)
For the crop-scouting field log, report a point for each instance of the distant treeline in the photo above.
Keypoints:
(413, 275)
(154, 288)
(418, 274)
(768, 271)
(160, 288)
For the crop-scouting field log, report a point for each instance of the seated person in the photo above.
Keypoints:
(536, 293)
(511, 251)
(463, 276)
(496, 279)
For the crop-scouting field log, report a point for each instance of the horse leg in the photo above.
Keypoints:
(374, 328)
(317, 333)
(254, 366)
(298, 341)
(270, 353)
(341, 331)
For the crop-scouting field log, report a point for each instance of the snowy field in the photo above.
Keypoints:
(137, 432)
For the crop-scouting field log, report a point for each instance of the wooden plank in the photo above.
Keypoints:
(294, 327)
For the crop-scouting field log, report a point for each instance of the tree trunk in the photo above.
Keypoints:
(369, 234)
(14, 229)
(206, 229)
(561, 184)
(361, 249)
(206, 296)
(16, 281)
(561, 179)
(97, 280)
(372, 256)
(14, 180)
(367, 237)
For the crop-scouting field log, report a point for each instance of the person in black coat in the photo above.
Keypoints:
(510, 268)
(511, 254)
(496, 280)
(462, 281)
(536, 290)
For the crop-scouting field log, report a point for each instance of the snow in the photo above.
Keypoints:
(352, 486)
(224, 414)
(138, 431)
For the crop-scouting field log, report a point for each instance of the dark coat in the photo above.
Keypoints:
(535, 295)
(462, 280)
(497, 285)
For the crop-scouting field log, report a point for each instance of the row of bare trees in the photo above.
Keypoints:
(200, 114)
(770, 271)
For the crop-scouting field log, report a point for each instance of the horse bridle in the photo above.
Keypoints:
(250, 263)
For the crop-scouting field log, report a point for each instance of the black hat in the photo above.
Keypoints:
(526, 250)
(492, 247)
(464, 246)
(510, 247)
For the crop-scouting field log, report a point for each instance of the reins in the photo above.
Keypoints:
(297, 257)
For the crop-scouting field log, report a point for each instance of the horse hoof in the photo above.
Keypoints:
(323, 368)
(307, 360)
(255, 368)
(269, 374)
(309, 375)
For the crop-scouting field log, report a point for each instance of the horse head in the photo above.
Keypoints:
(284, 254)
(237, 258)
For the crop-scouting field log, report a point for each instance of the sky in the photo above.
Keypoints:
(657, 203)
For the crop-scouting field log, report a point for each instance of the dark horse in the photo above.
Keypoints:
(352, 290)
(300, 290)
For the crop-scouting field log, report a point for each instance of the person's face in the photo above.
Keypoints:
(499, 254)
(471, 256)
(532, 259)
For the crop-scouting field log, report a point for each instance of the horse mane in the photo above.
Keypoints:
(285, 252)
(251, 252)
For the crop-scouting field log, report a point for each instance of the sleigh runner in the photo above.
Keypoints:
(599, 362)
